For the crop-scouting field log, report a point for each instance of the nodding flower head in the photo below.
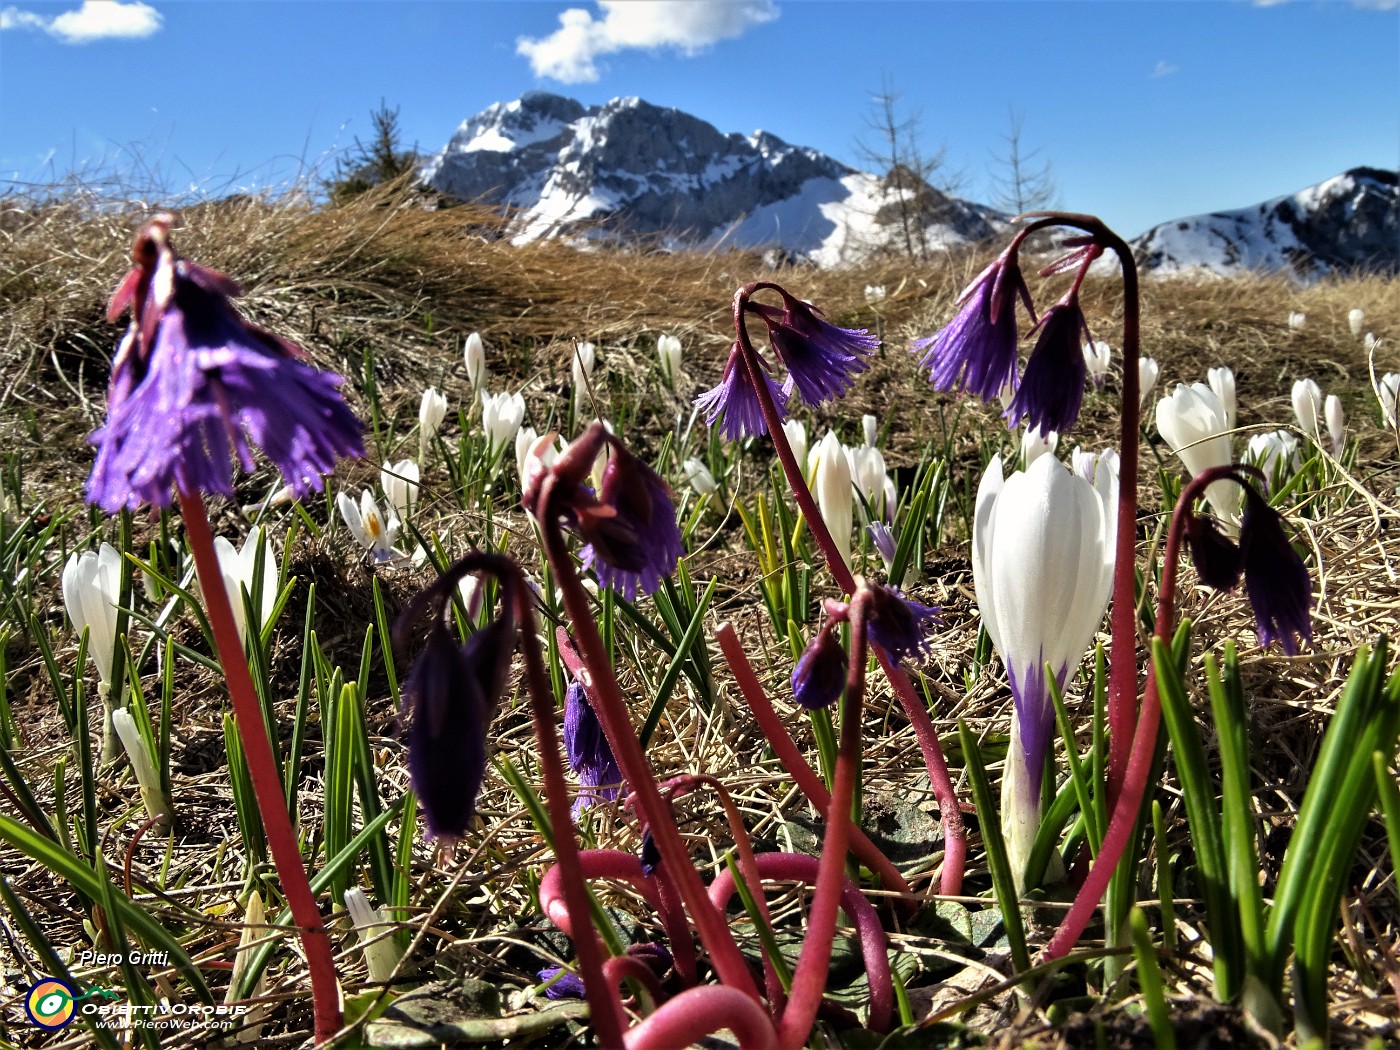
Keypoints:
(629, 525)
(820, 672)
(735, 404)
(1275, 577)
(195, 385)
(898, 625)
(1052, 386)
(977, 349)
(589, 754)
(822, 359)
(451, 695)
(1214, 554)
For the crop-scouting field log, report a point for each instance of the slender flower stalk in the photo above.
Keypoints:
(810, 975)
(194, 386)
(1123, 675)
(1280, 600)
(552, 495)
(263, 770)
(804, 775)
(954, 831)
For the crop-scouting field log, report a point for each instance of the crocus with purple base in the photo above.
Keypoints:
(193, 384)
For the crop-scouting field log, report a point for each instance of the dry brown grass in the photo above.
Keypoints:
(386, 278)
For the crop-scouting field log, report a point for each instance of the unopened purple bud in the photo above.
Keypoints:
(883, 538)
(1275, 577)
(452, 693)
(1052, 386)
(651, 854)
(566, 985)
(898, 625)
(820, 673)
(1216, 557)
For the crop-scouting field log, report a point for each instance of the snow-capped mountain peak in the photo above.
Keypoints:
(630, 168)
(1348, 222)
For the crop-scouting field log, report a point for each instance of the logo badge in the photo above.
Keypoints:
(49, 1003)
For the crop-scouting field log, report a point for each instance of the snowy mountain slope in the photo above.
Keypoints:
(1349, 222)
(629, 168)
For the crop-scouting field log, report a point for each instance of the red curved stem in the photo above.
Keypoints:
(954, 831)
(814, 964)
(698, 1012)
(605, 1010)
(262, 770)
(874, 945)
(748, 866)
(612, 712)
(1139, 762)
(802, 774)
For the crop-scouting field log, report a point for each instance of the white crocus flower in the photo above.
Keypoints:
(1192, 421)
(833, 492)
(875, 293)
(1098, 355)
(501, 416)
(1336, 424)
(699, 477)
(1370, 344)
(867, 465)
(371, 529)
(1148, 371)
(796, 434)
(1356, 321)
(1387, 393)
(92, 586)
(1296, 320)
(432, 410)
(1307, 406)
(1034, 444)
(239, 568)
(375, 935)
(1042, 566)
(400, 483)
(474, 357)
(870, 428)
(1222, 381)
(585, 360)
(144, 768)
(1275, 453)
(668, 351)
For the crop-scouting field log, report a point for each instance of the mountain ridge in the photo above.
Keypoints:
(628, 169)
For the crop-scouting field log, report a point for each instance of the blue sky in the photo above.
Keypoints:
(1148, 110)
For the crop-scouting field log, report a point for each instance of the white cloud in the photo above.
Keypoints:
(688, 26)
(94, 20)
(1163, 68)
